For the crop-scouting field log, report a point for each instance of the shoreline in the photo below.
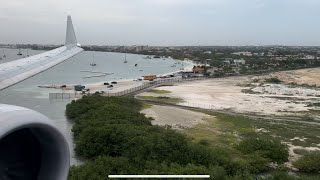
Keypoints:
(126, 83)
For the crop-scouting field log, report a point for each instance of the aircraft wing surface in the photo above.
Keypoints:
(15, 71)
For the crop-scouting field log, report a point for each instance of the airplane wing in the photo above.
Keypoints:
(19, 70)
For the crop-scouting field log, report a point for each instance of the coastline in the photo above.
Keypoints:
(122, 84)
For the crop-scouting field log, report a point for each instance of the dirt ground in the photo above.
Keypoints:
(226, 94)
(176, 118)
(268, 100)
(302, 76)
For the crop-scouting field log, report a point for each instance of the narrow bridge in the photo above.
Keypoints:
(128, 92)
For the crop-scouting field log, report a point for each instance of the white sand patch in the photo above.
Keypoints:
(177, 118)
(223, 93)
(281, 89)
(300, 139)
(262, 130)
(293, 156)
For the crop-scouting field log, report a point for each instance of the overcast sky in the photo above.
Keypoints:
(163, 22)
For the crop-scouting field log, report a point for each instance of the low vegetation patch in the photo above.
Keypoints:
(309, 162)
(158, 91)
(161, 99)
(249, 91)
(113, 137)
(273, 80)
(271, 149)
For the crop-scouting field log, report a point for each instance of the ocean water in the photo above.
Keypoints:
(27, 94)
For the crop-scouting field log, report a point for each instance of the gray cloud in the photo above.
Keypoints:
(163, 22)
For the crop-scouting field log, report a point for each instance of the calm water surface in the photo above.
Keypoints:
(28, 95)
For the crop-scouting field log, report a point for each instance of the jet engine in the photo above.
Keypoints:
(31, 147)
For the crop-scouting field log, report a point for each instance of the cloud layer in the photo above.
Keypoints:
(163, 22)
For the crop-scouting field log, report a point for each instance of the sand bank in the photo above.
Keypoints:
(174, 117)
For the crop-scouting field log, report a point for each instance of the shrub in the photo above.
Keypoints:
(100, 168)
(256, 164)
(204, 142)
(268, 148)
(309, 162)
(274, 80)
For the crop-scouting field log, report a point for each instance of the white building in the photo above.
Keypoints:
(245, 53)
(308, 57)
(239, 62)
(207, 52)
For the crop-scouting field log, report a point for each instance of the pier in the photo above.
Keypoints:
(127, 92)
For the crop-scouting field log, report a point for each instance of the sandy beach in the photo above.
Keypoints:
(227, 94)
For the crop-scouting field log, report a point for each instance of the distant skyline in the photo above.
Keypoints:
(163, 22)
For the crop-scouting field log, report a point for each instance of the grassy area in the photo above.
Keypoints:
(162, 99)
(158, 91)
(225, 130)
(146, 105)
(222, 130)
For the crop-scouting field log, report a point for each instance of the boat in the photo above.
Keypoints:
(19, 53)
(93, 63)
(125, 58)
(135, 64)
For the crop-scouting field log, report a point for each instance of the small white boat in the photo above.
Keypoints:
(93, 63)
(125, 58)
(19, 53)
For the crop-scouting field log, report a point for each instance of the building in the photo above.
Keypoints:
(239, 62)
(198, 69)
(245, 53)
(308, 57)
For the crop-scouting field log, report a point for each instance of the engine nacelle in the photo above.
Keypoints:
(31, 147)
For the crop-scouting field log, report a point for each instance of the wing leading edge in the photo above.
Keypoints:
(19, 70)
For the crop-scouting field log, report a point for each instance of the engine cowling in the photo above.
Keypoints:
(31, 147)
